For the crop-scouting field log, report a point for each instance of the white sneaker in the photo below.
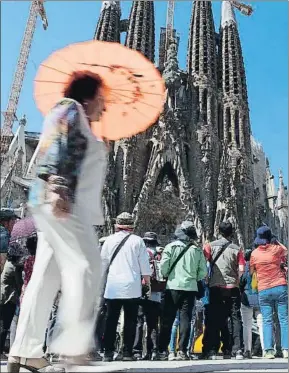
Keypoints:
(172, 356)
(285, 354)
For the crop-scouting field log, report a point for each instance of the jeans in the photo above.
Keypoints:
(184, 302)
(13, 328)
(268, 299)
(130, 309)
(52, 328)
(224, 305)
(100, 327)
(277, 331)
(174, 332)
(247, 318)
(7, 312)
(148, 311)
(225, 337)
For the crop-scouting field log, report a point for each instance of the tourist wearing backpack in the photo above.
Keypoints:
(184, 265)
(227, 264)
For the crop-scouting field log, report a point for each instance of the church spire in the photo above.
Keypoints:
(202, 67)
(235, 132)
(282, 209)
(108, 26)
(282, 193)
(233, 81)
(141, 29)
(228, 14)
(201, 61)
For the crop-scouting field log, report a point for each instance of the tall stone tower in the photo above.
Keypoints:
(132, 155)
(108, 26)
(204, 142)
(282, 208)
(141, 30)
(236, 184)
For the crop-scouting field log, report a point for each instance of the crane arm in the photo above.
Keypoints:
(170, 22)
(10, 114)
(245, 9)
(169, 26)
(42, 14)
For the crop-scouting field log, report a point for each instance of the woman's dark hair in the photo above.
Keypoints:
(83, 85)
(31, 245)
(12, 258)
(226, 229)
(151, 243)
(248, 253)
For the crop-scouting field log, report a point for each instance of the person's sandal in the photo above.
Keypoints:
(40, 365)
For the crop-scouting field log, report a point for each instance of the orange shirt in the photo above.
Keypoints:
(266, 260)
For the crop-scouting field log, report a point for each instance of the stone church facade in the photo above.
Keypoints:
(199, 161)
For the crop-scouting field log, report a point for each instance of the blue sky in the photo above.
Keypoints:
(264, 38)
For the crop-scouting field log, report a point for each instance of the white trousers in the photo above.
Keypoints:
(247, 318)
(67, 258)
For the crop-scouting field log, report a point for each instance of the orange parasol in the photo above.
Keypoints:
(135, 88)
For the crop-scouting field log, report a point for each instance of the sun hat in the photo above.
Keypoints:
(7, 214)
(151, 236)
(125, 221)
(263, 236)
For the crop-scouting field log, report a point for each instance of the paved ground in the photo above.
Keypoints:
(220, 366)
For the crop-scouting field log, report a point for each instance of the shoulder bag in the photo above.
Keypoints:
(160, 286)
(106, 272)
(181, 254)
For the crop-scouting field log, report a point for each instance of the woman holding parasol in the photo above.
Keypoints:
(87, 98)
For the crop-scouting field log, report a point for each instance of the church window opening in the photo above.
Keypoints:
(187, 153)
(205, 105)
(227, 67)
(197, 104)
(167, 180)
(220, 122)
(229, 126)
(237, 128)
(212, 110)
(197, 48)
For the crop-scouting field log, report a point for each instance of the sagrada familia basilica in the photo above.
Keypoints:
(199, 161)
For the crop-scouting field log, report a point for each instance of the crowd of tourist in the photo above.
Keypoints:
(155, 302)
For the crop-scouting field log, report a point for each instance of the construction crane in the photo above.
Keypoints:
(168, 34)
(36, 9)
(170, 24)
(245, 9)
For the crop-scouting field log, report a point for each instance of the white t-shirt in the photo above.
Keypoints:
(132, 262)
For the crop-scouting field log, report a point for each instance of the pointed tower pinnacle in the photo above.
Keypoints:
(201, 60)
(233, 82)
(270, 187)
(141, 30)
(282, 208)
(228, 14)
(282, 194)
(108, 26)
(202, 63)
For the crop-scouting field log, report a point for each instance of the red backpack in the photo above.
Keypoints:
(158, 283)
